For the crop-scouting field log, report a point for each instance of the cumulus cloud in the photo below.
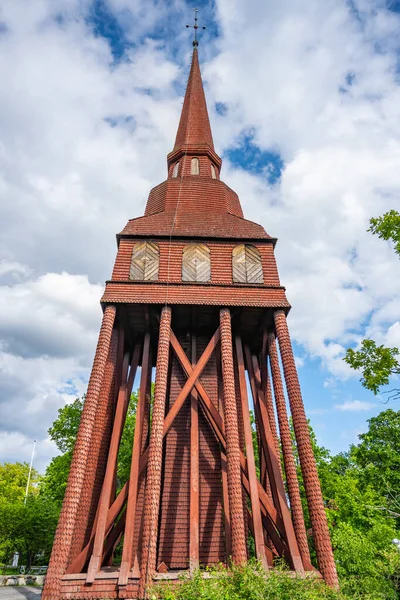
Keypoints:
(84, 132)
(48, 329)
(354, 406)
(319, 93)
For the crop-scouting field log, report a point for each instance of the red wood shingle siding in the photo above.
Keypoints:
(171, 261)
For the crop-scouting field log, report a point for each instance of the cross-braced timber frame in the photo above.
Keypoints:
(263, 501)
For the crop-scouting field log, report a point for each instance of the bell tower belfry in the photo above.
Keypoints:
(194, 304)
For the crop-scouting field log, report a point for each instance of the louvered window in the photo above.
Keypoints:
(246, 265)
(145, 260)
(213, 172)
(194, 166)
(196, 263)
(175, 170)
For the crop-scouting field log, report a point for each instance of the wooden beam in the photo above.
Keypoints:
(270, 516)
(151, 510)
(105, 497)
(268, 512)
(267, 402)
(187, 367)
(228, 538)
(127, 552)
(79, 562)
(194, 472)
(224, 477)
(120, 359)
(114, 537)
(217, 425)
(264, 386)
(251, 467)
(292, 482)
(274, 470)
(268, 551)
(195, 374)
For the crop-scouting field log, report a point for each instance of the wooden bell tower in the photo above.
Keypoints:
(195, 304)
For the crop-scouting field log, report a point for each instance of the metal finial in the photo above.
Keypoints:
(195, 27)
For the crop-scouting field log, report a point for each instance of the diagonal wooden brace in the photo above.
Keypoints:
(217, 425)
(273, 465)
(105, 498)
(103, 522)
(127, 551)
(192, 376)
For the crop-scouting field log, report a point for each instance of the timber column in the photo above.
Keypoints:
(239, 550)
(154, 464)
(287, 451)
(308, 465)
(66, 528)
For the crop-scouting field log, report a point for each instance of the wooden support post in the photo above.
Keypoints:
(137, 538)
(195, 374)
(251, 467)
(209, 408)
(126, 561)
(224, 477)
(308, 465)
(154, 463)
(274, 471)
(264, 387)
(233, 452)
(105, 498)
(269, 414)
(194, 472)
(60, 555)
(225, 496)
(217, 425)
(263, 380)
(79, 562)
(114, 538)
(287, 450)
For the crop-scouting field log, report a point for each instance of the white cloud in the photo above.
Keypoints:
(341, 147)
(48, 328)
(354, 406)
(83, 138)
(31, 310)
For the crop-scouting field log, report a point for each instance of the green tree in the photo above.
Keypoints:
(13, 480)
(378, 457)
(378, 363)
(387, 227)
(64, 431)
(361, 524)
(126, 445)
(27, 528)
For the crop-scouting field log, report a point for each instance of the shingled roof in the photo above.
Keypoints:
(194, 202)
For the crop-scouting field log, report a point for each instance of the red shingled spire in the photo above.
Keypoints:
(194, 126)
(193, 200)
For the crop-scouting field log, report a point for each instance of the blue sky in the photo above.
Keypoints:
(304, 104)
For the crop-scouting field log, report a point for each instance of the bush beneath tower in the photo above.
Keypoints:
(250, 582)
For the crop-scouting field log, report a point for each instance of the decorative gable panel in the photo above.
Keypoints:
(196, 264)
(145, 262)
(246, 265)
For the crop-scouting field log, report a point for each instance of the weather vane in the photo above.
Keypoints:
(195, 27)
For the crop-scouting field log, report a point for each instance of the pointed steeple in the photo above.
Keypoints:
(193, 201)
(194, 125)
(194, 153)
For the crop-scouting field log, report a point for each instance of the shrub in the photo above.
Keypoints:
(250, 582)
